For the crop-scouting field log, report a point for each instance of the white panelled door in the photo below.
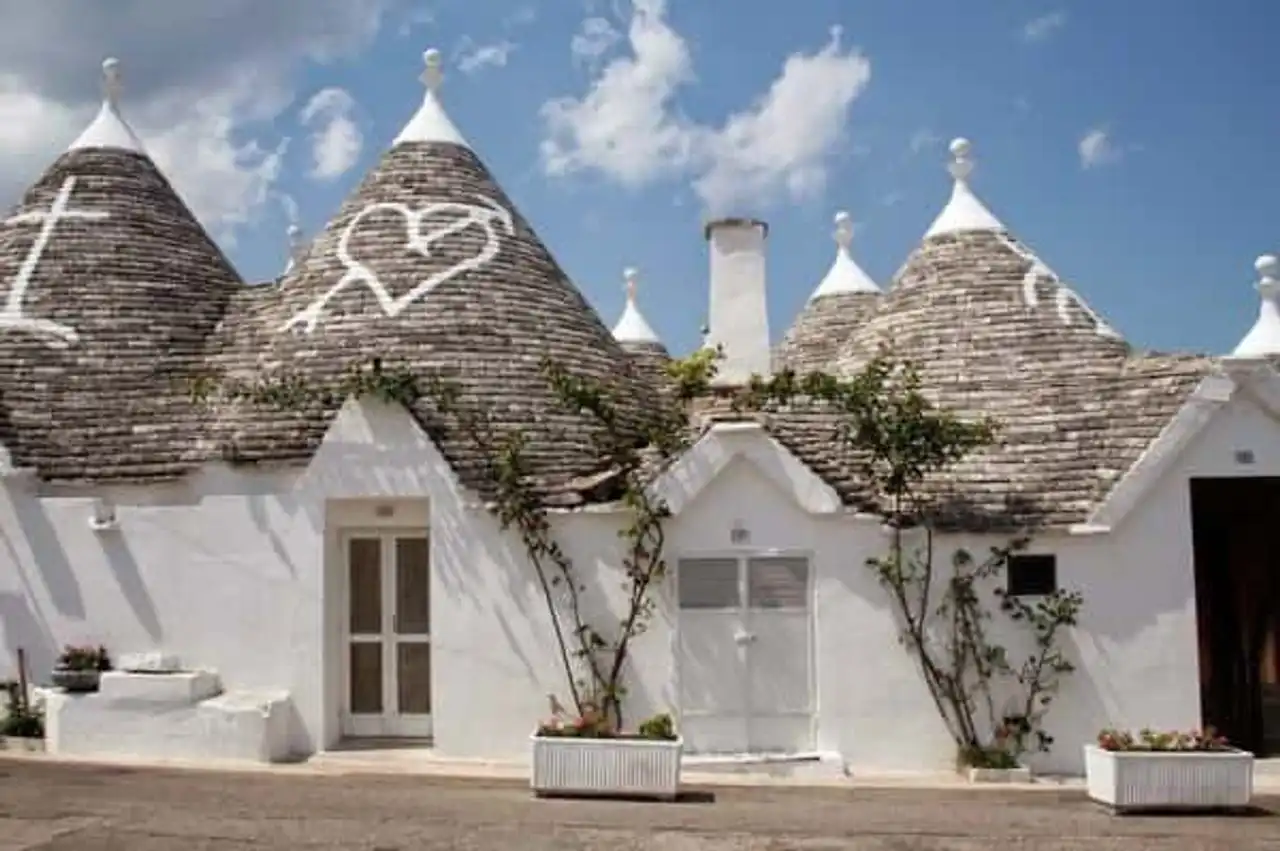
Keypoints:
(745, 654)
(388, 634)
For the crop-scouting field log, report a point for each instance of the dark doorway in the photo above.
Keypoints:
(1235, 529)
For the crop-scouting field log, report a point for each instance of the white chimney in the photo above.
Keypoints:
(739, 321)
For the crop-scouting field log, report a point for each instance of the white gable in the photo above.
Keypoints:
(725, 443)
(1245, 400)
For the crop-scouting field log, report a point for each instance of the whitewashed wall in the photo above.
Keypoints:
(1138, 641)
(231, 572)
(237, 579)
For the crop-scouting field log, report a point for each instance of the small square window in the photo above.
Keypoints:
(1032, 575)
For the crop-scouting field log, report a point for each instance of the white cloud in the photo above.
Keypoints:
(1098, 148)
(595, 37)
(225, 178)
(27, 123)
(627, 125)
(472, 57)
(781, 144)
(203, 98)
(1041, 28)
(336, 140)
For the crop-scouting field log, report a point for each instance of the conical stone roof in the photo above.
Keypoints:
(842, 302)
(428, 265)
(112, 289)
(994, 332)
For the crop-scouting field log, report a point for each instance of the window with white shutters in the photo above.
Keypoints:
(778, 583)
(708, 583)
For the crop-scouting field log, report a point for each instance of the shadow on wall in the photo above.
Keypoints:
(458, 543)
(23, 625)
(907, 714)
(258, 514)
(50, 556)
(349, 473)
(21, 628)
(887, 719)
(124, 567)
(604, 570)
(1080, 708)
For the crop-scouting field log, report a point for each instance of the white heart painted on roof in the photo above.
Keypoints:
(488, 215)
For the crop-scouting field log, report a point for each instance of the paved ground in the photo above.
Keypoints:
(60, 807)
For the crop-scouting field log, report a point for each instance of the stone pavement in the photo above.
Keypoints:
(56, 806)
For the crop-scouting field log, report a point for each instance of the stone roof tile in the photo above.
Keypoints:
(113, 289)
(428, 265)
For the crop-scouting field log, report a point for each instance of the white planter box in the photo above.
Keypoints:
(606, 767)
(1172, 780)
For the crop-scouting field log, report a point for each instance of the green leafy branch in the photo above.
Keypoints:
(594, 662)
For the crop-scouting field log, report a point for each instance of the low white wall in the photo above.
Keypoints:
(222, 584)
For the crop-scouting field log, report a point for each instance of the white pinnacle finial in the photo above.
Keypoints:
(433, 76)
(1267, 266)
(632, 327)
(845, 275)
(430, 123)
(963, 213)
(961, 165)
(1263, 339)
(109, 129)
(844, 229)
(112, 84)
(296, 247)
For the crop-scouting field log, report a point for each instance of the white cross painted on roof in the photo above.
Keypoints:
(13, 316)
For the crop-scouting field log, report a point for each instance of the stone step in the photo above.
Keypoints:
(251, 726)
(181, 688)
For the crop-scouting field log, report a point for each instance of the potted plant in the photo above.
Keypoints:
(992, 765)
(79, 669)
(585, 756)
(22, 727)
(1152, 770)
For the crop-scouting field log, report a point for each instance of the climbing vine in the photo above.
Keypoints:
(594, 660)
(901, 441)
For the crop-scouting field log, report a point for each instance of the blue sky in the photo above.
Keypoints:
(1158, 233)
